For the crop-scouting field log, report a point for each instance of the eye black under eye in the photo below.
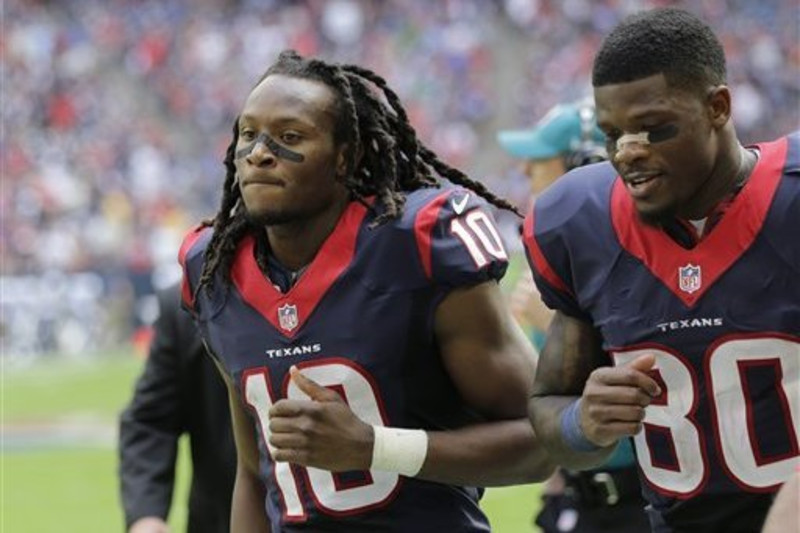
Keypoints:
(662, 133)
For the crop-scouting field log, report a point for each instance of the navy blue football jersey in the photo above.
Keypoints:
(723, 320)
(359, 320)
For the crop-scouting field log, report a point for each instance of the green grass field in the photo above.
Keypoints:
(58, 465)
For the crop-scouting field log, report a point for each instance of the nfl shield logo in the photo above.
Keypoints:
(689, 278)
(287, 316)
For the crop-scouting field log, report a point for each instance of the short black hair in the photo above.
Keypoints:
(667, 41)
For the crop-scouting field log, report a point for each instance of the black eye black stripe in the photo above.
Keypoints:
(274, 147)
(663, 133)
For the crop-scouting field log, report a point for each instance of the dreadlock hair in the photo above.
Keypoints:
(384, 158)
(669, 41)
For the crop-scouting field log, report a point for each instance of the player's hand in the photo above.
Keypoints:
(321, 432)
(614, 400)
(149, 524)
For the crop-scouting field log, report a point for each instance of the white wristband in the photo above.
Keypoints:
(399, 450)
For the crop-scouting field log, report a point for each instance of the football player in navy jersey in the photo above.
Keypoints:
(347, 289)
(673, 271)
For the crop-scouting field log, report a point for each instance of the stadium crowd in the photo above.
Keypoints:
(117, 113)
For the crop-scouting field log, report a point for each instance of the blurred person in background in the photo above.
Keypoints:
(348, 291)
(673, 271)
(607, 498)
(566, 137)
(179, 393)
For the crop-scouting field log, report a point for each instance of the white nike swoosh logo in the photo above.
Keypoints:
(458, 206)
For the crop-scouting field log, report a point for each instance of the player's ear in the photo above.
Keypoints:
(342, 159)
(719, 106)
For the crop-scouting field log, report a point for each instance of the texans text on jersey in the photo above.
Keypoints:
(690, 323)
(303, 349)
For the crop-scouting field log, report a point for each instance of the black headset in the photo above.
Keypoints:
(589, 150)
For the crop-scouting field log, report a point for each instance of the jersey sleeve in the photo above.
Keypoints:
(190, 256)
(787, 202)
(548, 254)
(458, 241)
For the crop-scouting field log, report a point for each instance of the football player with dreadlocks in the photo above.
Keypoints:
(347, 289)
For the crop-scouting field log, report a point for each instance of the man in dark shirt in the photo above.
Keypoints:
(179, 392)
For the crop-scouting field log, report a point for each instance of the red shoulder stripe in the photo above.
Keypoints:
(187, 295)
(538, 260)
(423, 225)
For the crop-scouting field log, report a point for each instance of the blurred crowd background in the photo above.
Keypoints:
(116, 115)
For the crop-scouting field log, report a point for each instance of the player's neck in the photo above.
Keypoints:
(727, 179)
(295, 244)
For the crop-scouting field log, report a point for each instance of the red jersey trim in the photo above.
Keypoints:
(187, 295)
(423, 225)
(538, 260)
(333, 258)
(718, 251)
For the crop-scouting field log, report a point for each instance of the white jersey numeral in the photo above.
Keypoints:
(734, 407)
(734, 418)
(477, 232)
(330, 496)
